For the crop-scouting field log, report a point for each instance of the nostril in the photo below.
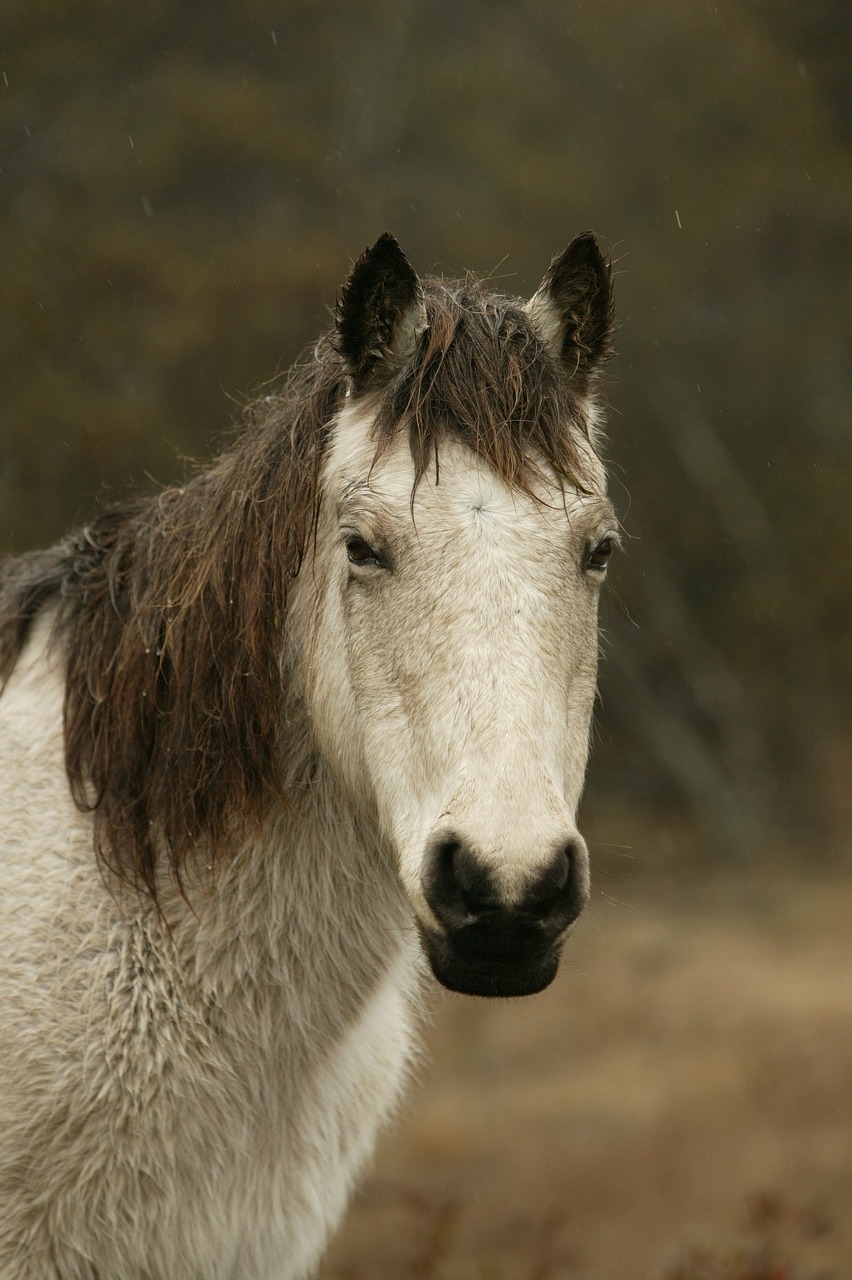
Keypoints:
(457, 886)
(473, 879)
(549, 883)
(555, 896)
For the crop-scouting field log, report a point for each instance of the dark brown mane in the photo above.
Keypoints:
(171, 610)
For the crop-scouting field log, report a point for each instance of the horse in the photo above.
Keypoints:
(278, 747)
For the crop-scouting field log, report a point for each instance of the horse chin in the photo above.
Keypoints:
(489, 977)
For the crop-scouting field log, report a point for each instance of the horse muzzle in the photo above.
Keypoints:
(480, 944)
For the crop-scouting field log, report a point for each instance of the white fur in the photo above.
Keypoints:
(547, 319)
(192, 1095)
(479, 654)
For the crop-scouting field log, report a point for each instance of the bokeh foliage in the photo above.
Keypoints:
(182, 191)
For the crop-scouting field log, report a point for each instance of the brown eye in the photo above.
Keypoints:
(598, 557)
(360, 552)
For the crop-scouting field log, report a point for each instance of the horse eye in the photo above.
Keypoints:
(598, 557)
(360, 552)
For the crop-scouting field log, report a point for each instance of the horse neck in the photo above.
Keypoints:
(308, 912)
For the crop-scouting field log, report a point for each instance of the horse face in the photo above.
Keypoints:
(462, 620)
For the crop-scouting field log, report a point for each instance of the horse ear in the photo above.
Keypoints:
(380, 314)
(572, 312)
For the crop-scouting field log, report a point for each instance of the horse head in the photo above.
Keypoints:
(462, 540)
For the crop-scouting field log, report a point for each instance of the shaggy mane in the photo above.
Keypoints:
(171, 610)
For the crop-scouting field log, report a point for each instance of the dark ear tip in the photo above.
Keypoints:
(387, 240)
(585, 246)
(385, 249)
(381, 257)
(582, 258)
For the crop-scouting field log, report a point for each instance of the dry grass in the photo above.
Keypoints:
(677, 1107)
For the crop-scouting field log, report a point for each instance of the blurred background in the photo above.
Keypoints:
(182, 190)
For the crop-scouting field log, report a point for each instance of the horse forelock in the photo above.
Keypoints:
(481, 374)
(171, 610)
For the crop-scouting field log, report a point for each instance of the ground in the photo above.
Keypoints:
(678, 1106)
